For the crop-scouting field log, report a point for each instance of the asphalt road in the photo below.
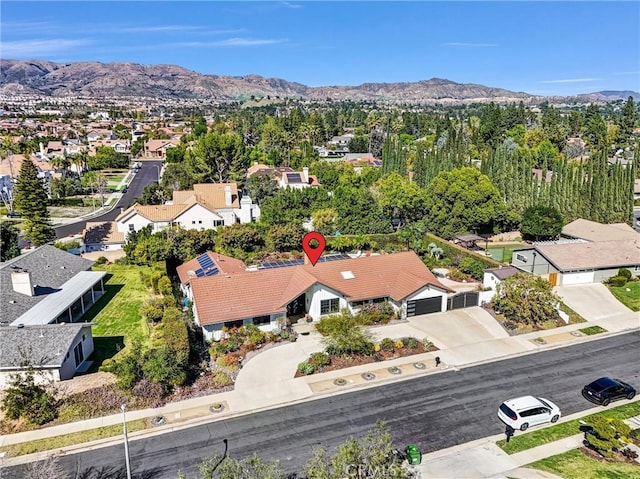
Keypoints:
(434, 411)
(147, 174)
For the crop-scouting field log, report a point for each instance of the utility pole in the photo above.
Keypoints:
(126, 441)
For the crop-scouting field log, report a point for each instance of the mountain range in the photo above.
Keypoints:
(113, 80)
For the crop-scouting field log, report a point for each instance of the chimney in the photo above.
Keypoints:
(227, 195)
(41, 149)
(21, 281)
(305, 174)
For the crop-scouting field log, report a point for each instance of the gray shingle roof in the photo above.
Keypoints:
(43, 345)
(50, 268)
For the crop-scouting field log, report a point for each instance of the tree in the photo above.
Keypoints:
(465, 201)
(284, 238)
(400, 198)
(526, 298)
(8, 241)
(325, 221)
(239, 239)
(154, 194)
(106, 157)
(24, 398)
(218, 157)
(31, 201)
(96, 181)
(541, 222)
(261, 187)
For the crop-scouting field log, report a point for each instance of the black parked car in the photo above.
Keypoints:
(604, 390)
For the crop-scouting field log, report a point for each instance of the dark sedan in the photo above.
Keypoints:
(604, 390)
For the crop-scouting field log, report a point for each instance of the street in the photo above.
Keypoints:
(434, 411)
(148, 174)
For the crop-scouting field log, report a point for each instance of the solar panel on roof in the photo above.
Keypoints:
(294, 178)
(211, 271)
(199, 273)
(205, 261)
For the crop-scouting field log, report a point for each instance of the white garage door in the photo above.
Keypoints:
(584, 277)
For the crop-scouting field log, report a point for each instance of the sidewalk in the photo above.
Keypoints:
(267, 381)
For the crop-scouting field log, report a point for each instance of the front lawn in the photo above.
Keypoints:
(528, 440)
(575, 465)
(117, 313)
(631, 298)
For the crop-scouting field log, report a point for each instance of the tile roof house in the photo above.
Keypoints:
(47, 286)
(102, 236)
(158, 148)
(593, 231)
(207, 206)
(55, 351)
(285, 176)
(267, 297)
(579, 262)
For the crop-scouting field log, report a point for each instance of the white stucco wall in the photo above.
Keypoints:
(490, 280)
(69, 367)
(198, 217)
(316, 294)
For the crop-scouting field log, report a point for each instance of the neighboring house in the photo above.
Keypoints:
(285, 176)
(55, 351)
(121, 146)
(593, 231)
(267, 296)
(48, 286)
(102, 236)
(342, 140)
(99, 134)
(567, 262)
(158, 148)
(53, 149)
(207, 206)
(10, 170)
(324, 152)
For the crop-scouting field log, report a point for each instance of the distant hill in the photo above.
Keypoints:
(93, 79)
(611, 95)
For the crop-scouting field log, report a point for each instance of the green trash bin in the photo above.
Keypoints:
(414, 456)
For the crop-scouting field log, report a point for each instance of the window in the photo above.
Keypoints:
(132, 227)
(521, 258)
(261, 320)
(199, 222)
(508, 411)
(357, 304)
(217, 223)
(328, 306)
(193, 222)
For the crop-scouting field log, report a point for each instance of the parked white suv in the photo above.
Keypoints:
(522, 412)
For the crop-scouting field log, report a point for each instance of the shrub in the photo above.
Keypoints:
(152, 311)
(427, 343)
(148, 390)
(375, 313)
(306, 368)
(164, 286)
(606, 434)
(399, 344)
(410, 342)
(162, 366)
(101, 260)
(625, 273)
(618, 281)
(333, 323)
(345, 337)
(176, 337)
(387, 344)
(24, 398)
(472, 267)
(228, 360)
(222, 379)
(317, 360)
(376, 348)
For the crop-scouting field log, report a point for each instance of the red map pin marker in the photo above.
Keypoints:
(313, 245)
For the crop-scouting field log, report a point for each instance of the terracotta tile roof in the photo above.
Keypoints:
(11, 165)
(226, 265)
(255, 293)
(160, 212)
(103, 232)
(594, 231)
(155, 145)
(596, 255)
(209, 195)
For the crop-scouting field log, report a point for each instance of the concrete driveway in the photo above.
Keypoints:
(594, 302)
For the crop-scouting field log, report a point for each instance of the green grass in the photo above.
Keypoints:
(576, 465)
(573, 316)
(593, 330)
(79, 437)
(504, 252)
(631, 298)
(117, 313)
(560, 431)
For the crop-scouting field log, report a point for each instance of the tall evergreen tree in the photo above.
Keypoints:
(8, 241)
(31, 201)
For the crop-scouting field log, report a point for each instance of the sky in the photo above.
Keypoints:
(543, 48)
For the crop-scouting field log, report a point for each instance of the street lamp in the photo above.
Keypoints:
(533, 267)
(126, 441)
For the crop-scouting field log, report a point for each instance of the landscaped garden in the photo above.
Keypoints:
(626, 289)
(347, 342)
(576, 464)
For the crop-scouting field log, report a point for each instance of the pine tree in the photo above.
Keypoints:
(31, 201)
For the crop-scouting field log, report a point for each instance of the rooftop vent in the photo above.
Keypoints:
(20, 326)
(191, 273)
(347, 275)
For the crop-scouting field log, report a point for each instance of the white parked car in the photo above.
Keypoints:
(525, 411)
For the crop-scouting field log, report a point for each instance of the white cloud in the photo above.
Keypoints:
(233, 42)
(151, 28)
(469, 45)
(572, 80)
(39, 48)
(290, 5)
